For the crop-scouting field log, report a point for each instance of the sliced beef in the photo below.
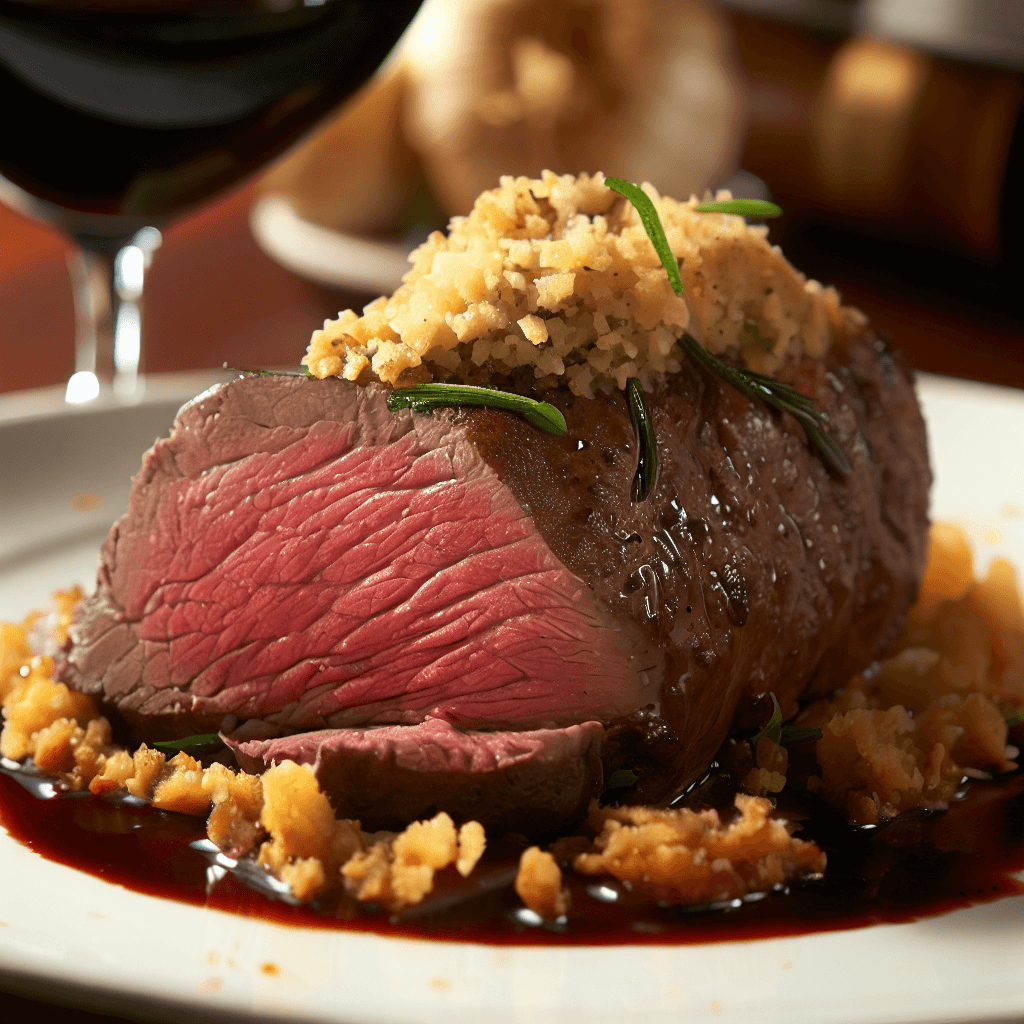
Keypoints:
(295, 554)
(531, 781)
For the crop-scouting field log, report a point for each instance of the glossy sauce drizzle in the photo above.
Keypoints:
(916, 866)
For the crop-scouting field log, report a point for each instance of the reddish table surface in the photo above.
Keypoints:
(214, 297)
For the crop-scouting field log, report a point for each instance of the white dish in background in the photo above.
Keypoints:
(325, 256)
(64, 933)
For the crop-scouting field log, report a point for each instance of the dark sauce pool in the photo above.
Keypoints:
(917, 866)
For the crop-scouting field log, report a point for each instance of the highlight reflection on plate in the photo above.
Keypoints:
(64, 477)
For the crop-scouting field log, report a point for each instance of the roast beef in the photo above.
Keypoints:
(300, 559)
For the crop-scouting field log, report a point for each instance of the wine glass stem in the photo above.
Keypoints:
(107, 278)
(92, 282)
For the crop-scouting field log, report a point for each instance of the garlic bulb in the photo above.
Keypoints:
(645, 89)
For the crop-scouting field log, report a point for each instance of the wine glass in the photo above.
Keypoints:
(122, 114)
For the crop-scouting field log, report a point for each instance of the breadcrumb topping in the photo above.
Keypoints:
(539, 884)
(557, 274)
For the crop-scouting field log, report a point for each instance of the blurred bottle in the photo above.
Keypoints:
(882, 136)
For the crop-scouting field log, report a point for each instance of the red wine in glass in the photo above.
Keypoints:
(121, 114)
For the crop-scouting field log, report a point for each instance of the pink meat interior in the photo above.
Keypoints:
(331, 581)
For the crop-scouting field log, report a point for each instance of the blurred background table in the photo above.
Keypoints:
(215, 297)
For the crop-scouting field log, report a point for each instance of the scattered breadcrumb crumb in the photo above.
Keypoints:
(49, 630)
(539, 884)
(34, 702)
(118, 768)
(769, 775)
(690, 857)
(181, 789)
(237, 798)
(303, 830)
(903, 734)
(15, 653)
(148, 765)
(398, 870)
(472, 842)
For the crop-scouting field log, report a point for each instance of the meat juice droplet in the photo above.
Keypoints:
(734, 588)
(651, 589)
(669, 551)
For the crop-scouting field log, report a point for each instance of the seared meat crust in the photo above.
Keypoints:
(751, 568)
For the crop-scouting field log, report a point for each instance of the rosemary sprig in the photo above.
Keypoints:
(647, 449)
(798, 734)
(652, 225)
(753, 385)
(779, 396)
(783, 735)
(755, 208)
(773, 727)
(201, 743)
(424, 397)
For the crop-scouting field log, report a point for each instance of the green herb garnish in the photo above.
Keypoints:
(647, 449)
(622, 778)
(798, 734)
(202, 743)
(302, 371)
(773, 727)
(753, 385)
(1015, 718)
(756, 208)
(782, 735)
(779, 396)
(424, 397)
(652, 225)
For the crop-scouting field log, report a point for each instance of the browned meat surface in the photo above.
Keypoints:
(751, 567)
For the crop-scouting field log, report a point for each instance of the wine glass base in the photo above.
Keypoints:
(84, 386)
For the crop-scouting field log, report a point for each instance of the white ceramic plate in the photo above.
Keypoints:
(323, 255)
(62, 931)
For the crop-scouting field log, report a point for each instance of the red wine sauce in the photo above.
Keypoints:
(916, 866)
